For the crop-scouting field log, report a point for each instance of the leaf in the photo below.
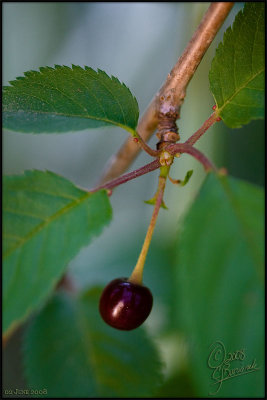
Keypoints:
(46, 221)
(238, 68)
(185, 181)
(178, 386)
(187, 177)
(152, 202)
(219, 283)
(69, 350)
(65, 99)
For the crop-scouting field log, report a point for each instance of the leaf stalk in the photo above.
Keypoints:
(206, 125)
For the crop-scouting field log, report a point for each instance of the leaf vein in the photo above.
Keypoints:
(239, 90)
(49, 220)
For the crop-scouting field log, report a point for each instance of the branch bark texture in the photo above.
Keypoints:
(172, 93)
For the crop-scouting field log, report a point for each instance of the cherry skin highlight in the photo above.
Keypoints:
(125, 305)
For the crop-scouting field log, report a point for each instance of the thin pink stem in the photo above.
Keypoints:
(186, 148)
(131, 175)
(144, 146)
(207, 124)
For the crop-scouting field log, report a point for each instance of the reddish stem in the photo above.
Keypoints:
(207, 124)
(186, 148)
(172, 149)
(131, 175)
(176, 83)
(144, 146)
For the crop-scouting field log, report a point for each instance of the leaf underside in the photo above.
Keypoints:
(46, 221)
(63, 99)
(69, 350)
(238, 68)
(219, 279)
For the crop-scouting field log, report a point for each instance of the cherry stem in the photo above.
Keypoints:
(127, 177)
(207, 124)
(137, 274)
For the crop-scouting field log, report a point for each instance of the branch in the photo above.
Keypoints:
(206, 125)
(181, 148)
(127, 177)
(172, 93)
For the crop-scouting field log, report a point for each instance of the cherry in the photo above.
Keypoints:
(125, 305)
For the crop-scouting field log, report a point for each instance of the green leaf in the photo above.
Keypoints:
(238, 68)
(152, 202)
(219, 283)
(178, 386)
(69, 350)
(65, 99)
(46, 221)
(186, 179)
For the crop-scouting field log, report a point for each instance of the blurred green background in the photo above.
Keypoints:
(138, 43)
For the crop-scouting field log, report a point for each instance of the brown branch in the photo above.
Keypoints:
(171, 95)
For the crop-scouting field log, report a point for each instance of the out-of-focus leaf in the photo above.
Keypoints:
(219, 278)
(69, 350)
(63, 99)
(178, 386)
(238, 68)
(46, 221)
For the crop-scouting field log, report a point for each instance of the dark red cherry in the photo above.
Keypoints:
(125, 305)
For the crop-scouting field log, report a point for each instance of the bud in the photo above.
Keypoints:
(165, 159)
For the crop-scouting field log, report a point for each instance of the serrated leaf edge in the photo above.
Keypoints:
(97, 73)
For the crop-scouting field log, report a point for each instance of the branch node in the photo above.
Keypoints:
(171, 95)
(167, 129)
(165, 159)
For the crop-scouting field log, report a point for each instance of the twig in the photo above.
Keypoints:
(144, 146)
(206, 125)
(173, 149)
(175, 86)
(181, 148)
(127, 177)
